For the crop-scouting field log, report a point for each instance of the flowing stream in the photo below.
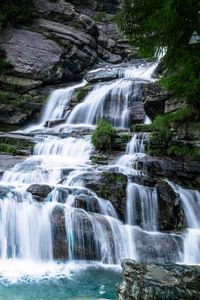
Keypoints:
(70, 243)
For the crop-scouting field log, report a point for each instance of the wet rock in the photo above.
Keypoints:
(183, 172)
(9, 161)
(111, 186)
(137, 112)
(39, 191)
(60, 250)
(154, 98)
(102, 75)
(87, 202)
(159, 281)
(157, 246)
(171, 215)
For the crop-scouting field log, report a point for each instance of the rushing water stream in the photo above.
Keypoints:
(70, 245)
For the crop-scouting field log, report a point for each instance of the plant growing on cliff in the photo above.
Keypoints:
(174, 25)
(103, 136)
(17, 12)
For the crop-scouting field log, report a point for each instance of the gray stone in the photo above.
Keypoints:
(31, 54)
(171, 215)
(155, 281)
(102, 75)
(40, 191)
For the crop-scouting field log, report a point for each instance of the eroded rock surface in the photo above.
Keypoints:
(154, 281)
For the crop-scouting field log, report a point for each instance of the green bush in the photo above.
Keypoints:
(103, 136)
(161, 125)
(184, 152)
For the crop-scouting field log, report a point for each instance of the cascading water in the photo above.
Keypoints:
(71, 222)
(191, 203)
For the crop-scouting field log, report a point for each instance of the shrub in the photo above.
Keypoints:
(103, 136)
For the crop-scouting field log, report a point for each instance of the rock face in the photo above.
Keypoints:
(31, 54)
(59, 46)
(154, 98)
(111, 186)
(171, 215)
(183, 172)
(142, 281)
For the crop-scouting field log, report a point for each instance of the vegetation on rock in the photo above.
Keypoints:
(103, 136)
(18, 12)
(154, 25)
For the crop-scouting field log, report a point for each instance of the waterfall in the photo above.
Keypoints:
(57, 103)
(134, 149)
(72, 222)
(25, 228)
(190, 200)
(142, 207)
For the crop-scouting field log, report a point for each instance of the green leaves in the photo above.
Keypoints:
(103, 136)
(154, 24)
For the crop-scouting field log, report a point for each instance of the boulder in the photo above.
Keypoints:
(39, 191)
(171, 214)
(111, 186)
(60, 250)
(155, 281)
(102, 75)
(157, 246)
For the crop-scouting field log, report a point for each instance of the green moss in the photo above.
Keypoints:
(103, 136)
(82, 92)
(125, 137)
(14, 145)
(9, 149)
(100, 16)
(142, 128)
(184, 152)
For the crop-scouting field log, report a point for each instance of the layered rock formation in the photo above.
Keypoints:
(156, 281)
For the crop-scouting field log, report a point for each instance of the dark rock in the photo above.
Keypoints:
(154, 98)
(183, 172)
(60, 249)
(157, 246)
(171, 215)
(110, 186)
(31, 54)
(155, 281)
(137, 112)
(39, 191)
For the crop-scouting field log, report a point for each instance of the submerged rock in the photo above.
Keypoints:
(155, 281)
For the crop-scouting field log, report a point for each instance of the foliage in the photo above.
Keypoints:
(18, 12)
(161, 124)
(6, 148)
(125, 137)
(142, 128)
(103, 136)
(153, 25)
(184, 152)
(82, 92)
(100, 16)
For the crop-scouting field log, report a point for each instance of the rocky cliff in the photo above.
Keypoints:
(58, 46)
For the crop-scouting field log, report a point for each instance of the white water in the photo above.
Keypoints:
(191, 204)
